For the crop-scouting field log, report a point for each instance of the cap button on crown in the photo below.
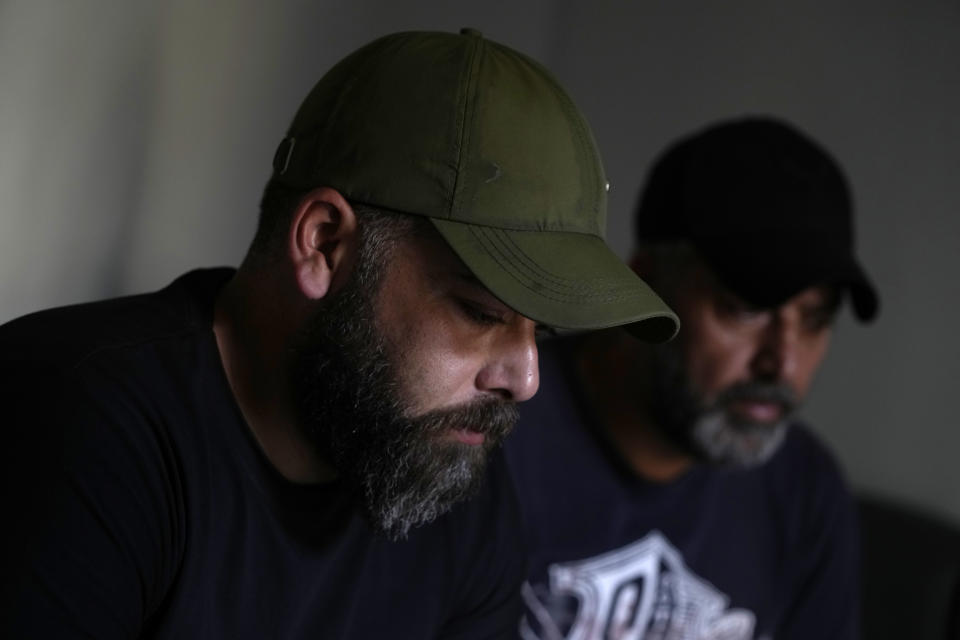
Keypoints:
(467, 31)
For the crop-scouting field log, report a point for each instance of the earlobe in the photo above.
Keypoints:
(323, 235)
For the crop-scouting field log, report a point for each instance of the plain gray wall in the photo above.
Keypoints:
(135, 138)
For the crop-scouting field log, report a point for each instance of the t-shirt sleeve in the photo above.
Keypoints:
(826, 544)
(489, 604)
(92, 506)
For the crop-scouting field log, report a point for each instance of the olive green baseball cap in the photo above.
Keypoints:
(484, 142)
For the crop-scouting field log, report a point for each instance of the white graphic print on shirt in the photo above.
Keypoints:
(642, 591)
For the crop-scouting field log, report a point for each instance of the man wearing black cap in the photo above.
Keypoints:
(296, 449)
(668, 491)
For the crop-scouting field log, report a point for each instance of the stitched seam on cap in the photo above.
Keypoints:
(508, 247)
(607, 284)
(564, 294)
(494, 252)
(467, 112)
(522, 261)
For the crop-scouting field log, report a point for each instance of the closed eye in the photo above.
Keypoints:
(478, 314)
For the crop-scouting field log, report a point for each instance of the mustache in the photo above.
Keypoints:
(493, 418)
(760, 392)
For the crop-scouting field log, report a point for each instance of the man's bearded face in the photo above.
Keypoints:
(726, 389)
(707, 427)
(404, 469)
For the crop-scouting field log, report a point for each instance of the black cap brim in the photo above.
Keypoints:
(863, 296)
(767, 273)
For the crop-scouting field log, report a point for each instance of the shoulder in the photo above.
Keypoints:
(90, 461)
(90, 378)
(92, 395)
(109, 375)
(66, 337)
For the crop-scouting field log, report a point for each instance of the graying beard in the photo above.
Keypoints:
(350, 401)
(395, 510)
(707, 434)
(736, 446)
(429, 474)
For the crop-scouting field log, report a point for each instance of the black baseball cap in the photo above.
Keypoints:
(766, 207)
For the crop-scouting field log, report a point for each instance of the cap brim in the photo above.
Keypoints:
(561, 279)
(768, 273)
(863, 296)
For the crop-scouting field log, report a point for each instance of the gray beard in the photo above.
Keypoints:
(404, 470)
(705, 428)
(742, 446)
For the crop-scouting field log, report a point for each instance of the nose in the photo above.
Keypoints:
(513, 371)
(776, 354)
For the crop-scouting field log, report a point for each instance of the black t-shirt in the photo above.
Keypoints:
(138, 503)
(764, 553)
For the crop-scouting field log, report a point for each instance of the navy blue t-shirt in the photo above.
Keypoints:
(763, 553)
(138, 504)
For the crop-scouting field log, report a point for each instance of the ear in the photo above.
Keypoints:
(323, 241)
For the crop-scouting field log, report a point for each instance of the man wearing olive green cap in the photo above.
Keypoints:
(297, 448)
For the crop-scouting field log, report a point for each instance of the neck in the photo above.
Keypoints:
(615, 372)
(252, 326)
